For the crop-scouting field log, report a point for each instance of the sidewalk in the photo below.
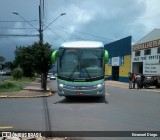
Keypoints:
(32, 90)
(125, 85)
(117, 84)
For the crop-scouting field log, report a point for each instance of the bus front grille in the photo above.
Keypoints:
(80, 87)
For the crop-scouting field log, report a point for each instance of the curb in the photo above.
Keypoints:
(16, 82)
(37, 96)
(126, 87)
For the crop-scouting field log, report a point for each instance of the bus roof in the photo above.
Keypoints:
(83, 44)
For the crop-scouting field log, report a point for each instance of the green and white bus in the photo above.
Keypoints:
(80, 68)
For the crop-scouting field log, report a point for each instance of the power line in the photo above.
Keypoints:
(8, 35)
(133, 40)
(71, 34)
(60, 28)
(24, 19)
(14, 28)
(55, 33)
(18, 21)
(50, 36)
(62, 14)
(66, 33)
(84, 33)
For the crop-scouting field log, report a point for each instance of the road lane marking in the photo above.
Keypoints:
(6, 127)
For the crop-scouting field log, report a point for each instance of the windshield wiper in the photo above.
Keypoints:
(83, 67)
(74, 70)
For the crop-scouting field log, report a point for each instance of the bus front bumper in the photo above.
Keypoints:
(93, 92)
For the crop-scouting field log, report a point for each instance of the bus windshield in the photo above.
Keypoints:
(85, 63)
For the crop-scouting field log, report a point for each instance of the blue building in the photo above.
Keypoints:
(119, 64)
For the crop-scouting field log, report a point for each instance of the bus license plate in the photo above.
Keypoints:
(80, 93)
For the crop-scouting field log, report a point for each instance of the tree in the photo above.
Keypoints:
(24, 59)
(2, 59)
(42, 61)
(8, 65)
(34, 58)
(17, 73)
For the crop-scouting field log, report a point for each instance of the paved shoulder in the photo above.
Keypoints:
(125, 85)
(31, 91)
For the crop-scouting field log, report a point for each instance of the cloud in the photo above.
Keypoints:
(110, 19)
(150, 18)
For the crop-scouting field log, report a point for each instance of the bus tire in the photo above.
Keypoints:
(68, 97)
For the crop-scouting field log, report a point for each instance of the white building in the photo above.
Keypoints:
(146, 54)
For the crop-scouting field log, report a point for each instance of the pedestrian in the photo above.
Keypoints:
(142, 80)
(130, 80)
(134, 80)
(138, 81)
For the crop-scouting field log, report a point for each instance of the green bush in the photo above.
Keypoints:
(17, 73)
(7, 85)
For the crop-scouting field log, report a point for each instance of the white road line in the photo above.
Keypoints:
(6, 127)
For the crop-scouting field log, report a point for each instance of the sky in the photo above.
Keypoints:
(99, 20)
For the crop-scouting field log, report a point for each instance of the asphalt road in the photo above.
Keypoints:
(125, 110)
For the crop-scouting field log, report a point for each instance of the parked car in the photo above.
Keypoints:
(8, 73)
(52, 77)
(49, 75)
(2, 72)
(5, 73)
(151, 81)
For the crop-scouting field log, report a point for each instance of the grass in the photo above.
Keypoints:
(13, 85)
(21, 80)
(9, 87)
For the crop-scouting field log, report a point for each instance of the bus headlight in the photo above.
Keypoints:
(61, 85)
(99, 85)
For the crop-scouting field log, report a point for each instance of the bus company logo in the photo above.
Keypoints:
(6, 134)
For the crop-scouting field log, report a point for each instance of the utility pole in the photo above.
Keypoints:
(40, 27)
(40, 30)
(43, 75)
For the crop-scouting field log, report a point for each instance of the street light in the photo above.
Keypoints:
(16, 13)
(40, 23)
(62, 14)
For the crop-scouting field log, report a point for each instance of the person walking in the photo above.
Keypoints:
(130, 80)
(138, 81)
(134, 80)
(142, 80)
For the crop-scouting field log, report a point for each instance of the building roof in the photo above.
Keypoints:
(153, 35)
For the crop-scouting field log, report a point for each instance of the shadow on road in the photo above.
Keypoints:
(82, 100)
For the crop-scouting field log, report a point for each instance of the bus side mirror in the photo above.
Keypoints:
(54, 56)
(106, 56)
